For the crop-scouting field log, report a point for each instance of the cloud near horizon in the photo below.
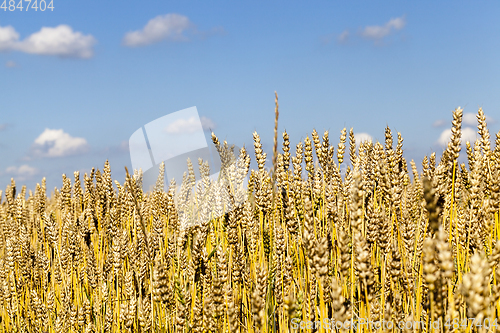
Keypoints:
(57, 143)
(59, 41)
(471, 119)
(468, 119)
(362, 137)
(22, 172)
(468, 134)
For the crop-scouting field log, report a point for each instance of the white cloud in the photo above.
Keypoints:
(207, 124)
(3, 127)
(362, 137)
(57, 143)
(22, 172)
(468, 134)
(184, 126)
(444, 137)
(377, 32)
(10, 64)
(163, 27)
(60, 41)
(469, 119)
(8, 38)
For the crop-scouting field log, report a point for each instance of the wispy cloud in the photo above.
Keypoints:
(439, 123)
(10, 64)
(205, 34)
(378, 32)
(57, 143)
(22, 172)
(207, 123)
(343, 37)
(59, 41)
(3, 127)
(170, 27)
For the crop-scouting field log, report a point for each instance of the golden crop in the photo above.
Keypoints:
(295, 249)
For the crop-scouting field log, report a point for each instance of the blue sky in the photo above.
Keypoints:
(76, 82)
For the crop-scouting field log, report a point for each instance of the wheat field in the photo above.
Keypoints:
(311, 250)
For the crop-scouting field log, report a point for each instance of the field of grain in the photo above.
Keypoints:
(308, 250)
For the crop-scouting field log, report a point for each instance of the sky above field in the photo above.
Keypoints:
(78, 80)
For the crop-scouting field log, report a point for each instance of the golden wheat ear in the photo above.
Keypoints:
(305, 251)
